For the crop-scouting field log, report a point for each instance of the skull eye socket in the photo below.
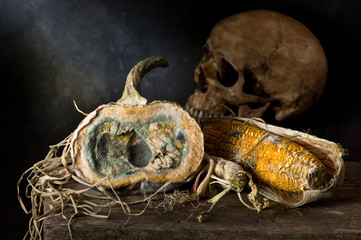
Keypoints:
(227, 76)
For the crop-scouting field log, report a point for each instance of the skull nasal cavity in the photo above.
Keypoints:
(252, 85)
(227, 76)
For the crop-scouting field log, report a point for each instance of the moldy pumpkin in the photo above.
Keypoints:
(129, 142)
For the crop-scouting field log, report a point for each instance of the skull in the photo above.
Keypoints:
(258, 62)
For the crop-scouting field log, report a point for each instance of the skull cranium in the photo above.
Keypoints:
(256, 62)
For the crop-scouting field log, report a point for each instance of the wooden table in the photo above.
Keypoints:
(338, 217)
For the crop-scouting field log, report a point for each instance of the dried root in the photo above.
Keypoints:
(53, 178)
(169, 201)
(231, 176)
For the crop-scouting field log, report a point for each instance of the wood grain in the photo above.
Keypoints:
(338, 217)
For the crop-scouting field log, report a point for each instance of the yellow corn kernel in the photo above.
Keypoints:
(271, 158)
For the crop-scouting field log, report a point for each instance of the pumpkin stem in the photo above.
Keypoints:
(131, 94)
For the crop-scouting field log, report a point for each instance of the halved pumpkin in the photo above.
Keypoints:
(130, 141)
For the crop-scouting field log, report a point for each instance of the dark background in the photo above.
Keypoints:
(53, 52)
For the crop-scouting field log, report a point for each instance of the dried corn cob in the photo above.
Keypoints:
(270, 158)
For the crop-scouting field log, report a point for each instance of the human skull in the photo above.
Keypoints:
(256, 62)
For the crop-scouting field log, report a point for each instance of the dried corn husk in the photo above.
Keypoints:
(329, 153)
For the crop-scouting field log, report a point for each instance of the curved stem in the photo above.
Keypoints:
(131, 94)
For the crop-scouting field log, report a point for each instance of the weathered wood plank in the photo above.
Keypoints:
(338, 217)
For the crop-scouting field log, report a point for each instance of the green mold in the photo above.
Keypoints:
(118, 148)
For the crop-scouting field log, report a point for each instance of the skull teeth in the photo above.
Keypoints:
(199, 115)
